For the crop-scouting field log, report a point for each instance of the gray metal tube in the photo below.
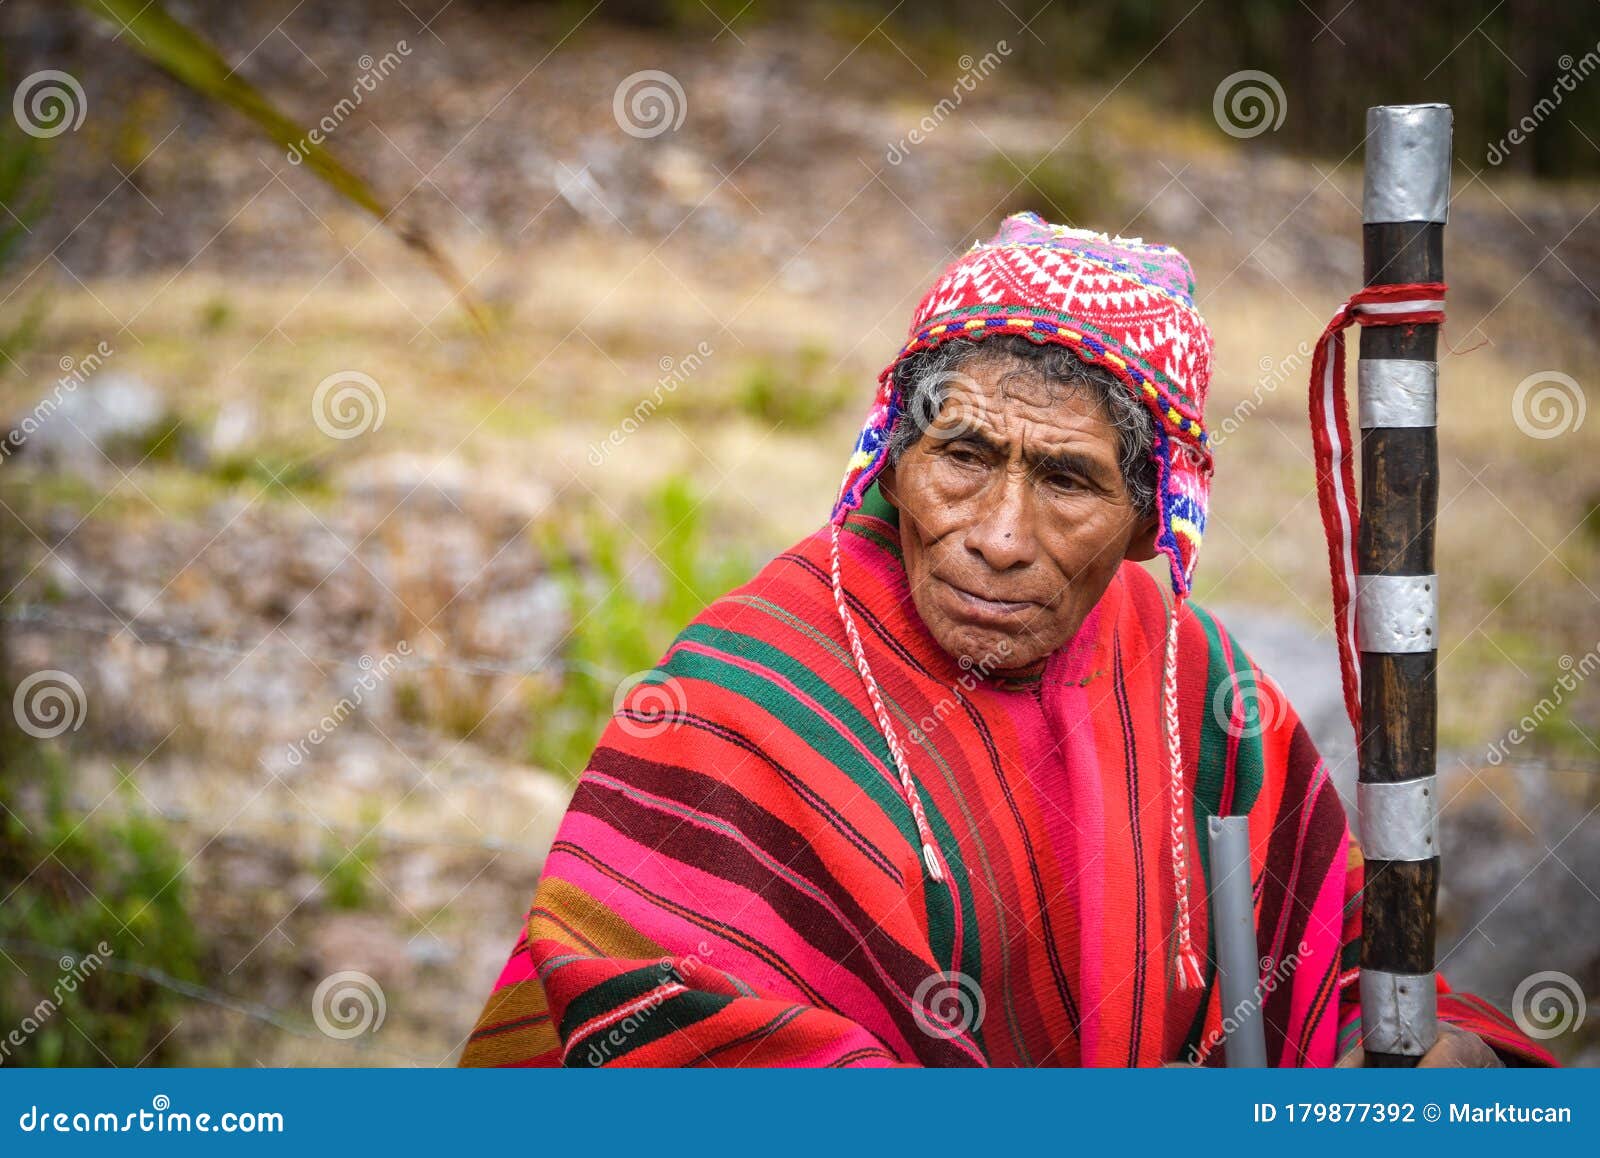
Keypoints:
(1408, 164)
(1233, 926)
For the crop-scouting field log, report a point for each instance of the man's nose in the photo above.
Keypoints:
(1004, 533)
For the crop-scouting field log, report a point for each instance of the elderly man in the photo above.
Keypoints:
(927, 790)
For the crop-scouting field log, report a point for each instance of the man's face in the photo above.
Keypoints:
(1013, 515)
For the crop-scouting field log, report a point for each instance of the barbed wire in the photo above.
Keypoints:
(360, 833)
(255, 1010)
(33, 613)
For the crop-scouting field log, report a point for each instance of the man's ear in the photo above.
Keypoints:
(1143, 544)
(886, 486)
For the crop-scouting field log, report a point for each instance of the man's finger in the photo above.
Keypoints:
(1457, 1049)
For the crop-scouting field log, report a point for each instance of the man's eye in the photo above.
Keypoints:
(963, 455)
(1063, 482)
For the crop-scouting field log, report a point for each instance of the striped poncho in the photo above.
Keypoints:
(738, 878)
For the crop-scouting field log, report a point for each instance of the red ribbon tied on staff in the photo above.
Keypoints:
(1379, 305)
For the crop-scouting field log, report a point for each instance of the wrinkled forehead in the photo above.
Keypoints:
(1011, 408)
(1001, 385)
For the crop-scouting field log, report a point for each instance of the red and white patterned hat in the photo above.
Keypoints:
(1119, 303)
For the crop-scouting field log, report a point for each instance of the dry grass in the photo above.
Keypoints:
(584, 326)
(584, 318)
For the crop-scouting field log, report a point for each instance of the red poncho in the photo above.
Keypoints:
(739, 879)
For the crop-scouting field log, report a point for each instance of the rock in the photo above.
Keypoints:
(414, 481)
(421, 883)
(683, 175)
(442, 486)
(426, 950)
(231, 430)
(523, 626)
(358, 942)
(580, 190)
(113, 416)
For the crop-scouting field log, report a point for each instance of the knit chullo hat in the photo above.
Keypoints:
(1118, 303)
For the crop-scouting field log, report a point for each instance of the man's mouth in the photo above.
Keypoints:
(989, 608)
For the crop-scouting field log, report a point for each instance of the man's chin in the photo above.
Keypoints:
(988, 651)
(977, 642)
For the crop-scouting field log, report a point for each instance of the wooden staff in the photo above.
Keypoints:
(1403, 215)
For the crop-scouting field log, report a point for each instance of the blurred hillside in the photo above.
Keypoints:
(348, 589)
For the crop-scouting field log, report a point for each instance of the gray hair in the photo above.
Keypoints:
(922, 381)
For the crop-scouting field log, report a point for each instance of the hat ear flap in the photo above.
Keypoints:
(872, 447)
(1166, 541)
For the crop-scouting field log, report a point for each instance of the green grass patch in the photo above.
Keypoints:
(99, 896)
(630, 593)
